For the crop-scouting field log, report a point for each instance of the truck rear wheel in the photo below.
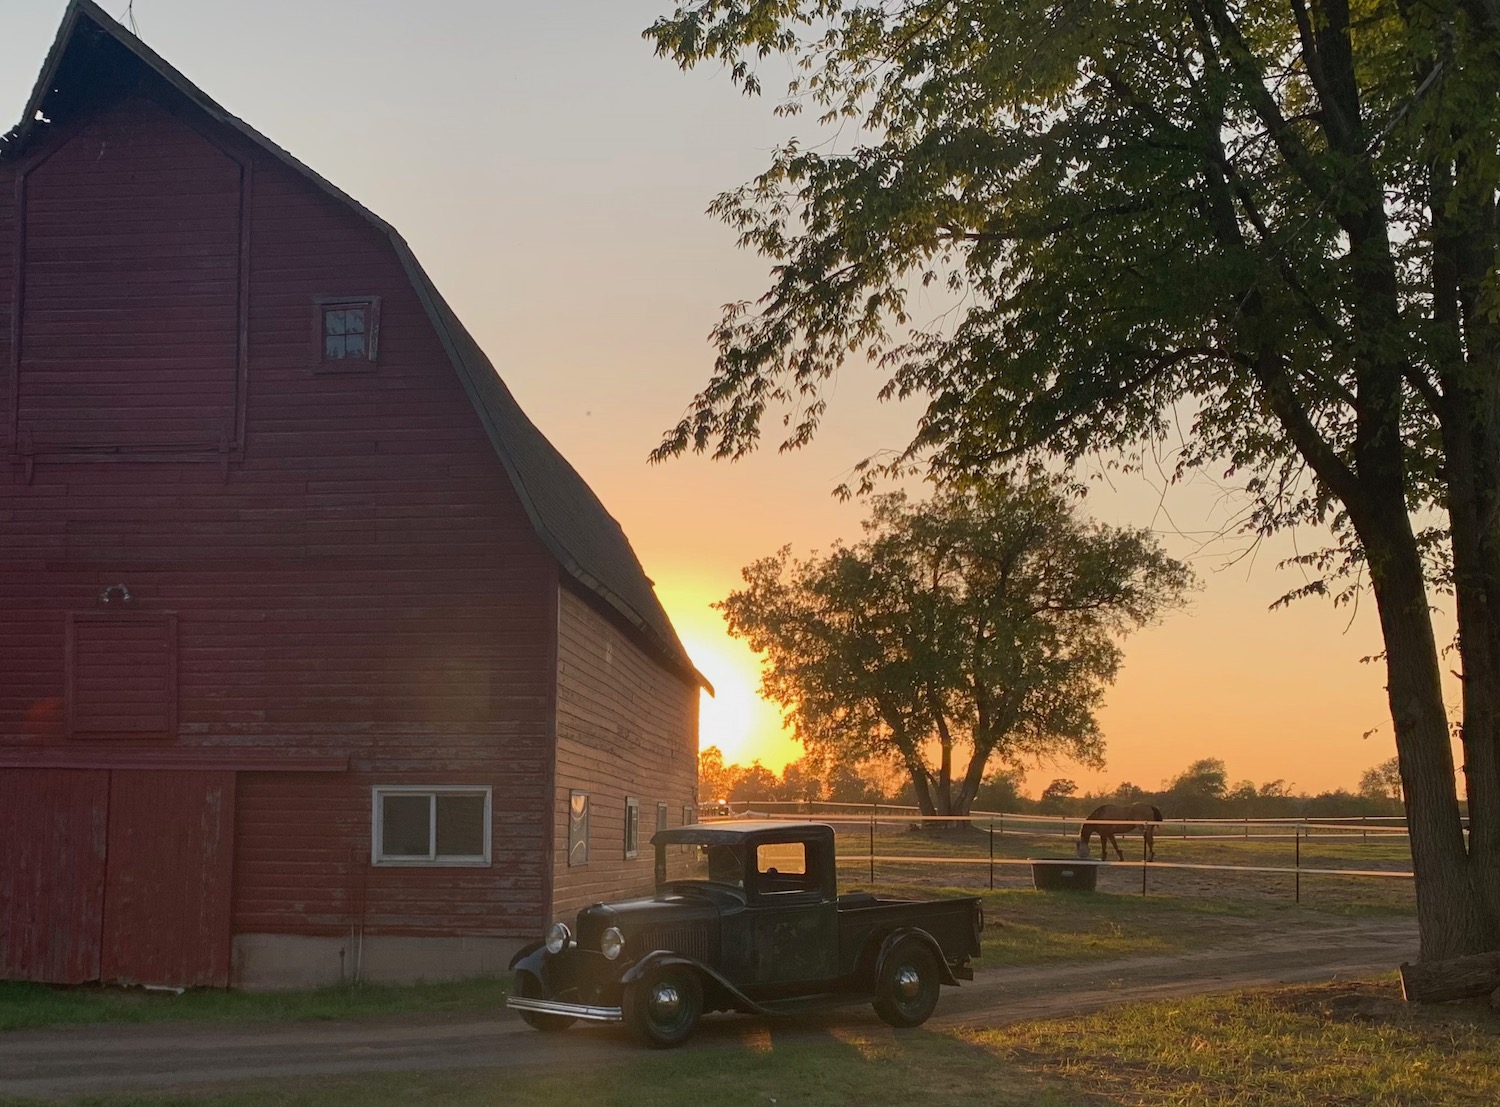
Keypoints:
(662, 1008)
(906, 992)
(531, 988)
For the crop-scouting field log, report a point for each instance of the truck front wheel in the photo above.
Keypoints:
(662, 1008)
(531, 988)
(906, 992)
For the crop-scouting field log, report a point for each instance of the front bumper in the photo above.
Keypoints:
(571, 1010)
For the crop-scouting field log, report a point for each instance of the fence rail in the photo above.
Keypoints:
(870, 821)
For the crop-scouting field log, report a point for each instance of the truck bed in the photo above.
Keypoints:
(863, 916)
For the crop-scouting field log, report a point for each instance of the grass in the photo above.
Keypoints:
(1343, 1043)
(25, 1006)
(1314, 1046)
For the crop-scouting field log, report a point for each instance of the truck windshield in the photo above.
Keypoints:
(718, 863)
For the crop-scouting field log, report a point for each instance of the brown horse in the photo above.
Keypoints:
(1119, 818)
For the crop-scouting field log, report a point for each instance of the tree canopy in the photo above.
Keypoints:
(1261, 234)
(983, 622)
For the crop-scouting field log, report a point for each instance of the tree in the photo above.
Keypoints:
(1199, 788)
(715, 779)
(800, 780)
(1056, 794)
(1269, 226)
(755, 783)
(985, 619)
(1383, 782)
(1001, 791)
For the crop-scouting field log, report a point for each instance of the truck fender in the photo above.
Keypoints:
(526, 957)
(896, 937)
(663, 957)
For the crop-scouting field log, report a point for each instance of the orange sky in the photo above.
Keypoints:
(552, 176)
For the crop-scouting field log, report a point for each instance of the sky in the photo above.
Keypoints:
(552, 175)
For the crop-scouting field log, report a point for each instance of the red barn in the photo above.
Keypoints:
(316, 659)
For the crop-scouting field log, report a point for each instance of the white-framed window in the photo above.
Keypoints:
(578, 828)
(427, 824)
(346, 330)
(661, 816)
(632, 826)
(689, 814)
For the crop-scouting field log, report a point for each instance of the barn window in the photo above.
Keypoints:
(661, 816)
(578, 828)
(689, 814)
(430, 825)
(632, 826)
(347, 331)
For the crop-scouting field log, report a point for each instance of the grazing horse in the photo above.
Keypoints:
(1119, 818)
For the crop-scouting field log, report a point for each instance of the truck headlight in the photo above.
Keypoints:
(612, 943)
(558, 936)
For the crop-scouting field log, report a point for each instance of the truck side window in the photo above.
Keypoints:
(782, 867)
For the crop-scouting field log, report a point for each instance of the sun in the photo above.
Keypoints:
(735, 718)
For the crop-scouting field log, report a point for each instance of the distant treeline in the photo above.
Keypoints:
(1202, 791)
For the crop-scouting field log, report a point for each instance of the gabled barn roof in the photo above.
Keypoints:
(93, 54)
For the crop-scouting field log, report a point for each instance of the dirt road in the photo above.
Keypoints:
(92, 1060)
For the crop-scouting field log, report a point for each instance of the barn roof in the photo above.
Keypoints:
(94, 55)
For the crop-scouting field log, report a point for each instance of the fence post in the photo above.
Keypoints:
(992, 857)
(1143, 864)
(1364, 821)
(1297, 832)
(874, 814)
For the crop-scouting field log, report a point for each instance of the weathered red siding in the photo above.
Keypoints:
(361, 579)
(625, 728)
(52, 835)
(130, 229)
(167, 884)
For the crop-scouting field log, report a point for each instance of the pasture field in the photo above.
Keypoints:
(1309, 1046)
(909, 854)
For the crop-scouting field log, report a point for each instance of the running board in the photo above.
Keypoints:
(567, 1010)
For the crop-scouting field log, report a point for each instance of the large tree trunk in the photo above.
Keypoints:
(1466, 349)
(1452, 915)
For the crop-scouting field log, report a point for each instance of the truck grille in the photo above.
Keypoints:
(697, 942)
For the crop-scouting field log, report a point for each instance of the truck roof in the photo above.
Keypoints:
(729, 831)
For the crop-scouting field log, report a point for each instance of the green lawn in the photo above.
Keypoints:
(1336, 1045)
(24, 1006)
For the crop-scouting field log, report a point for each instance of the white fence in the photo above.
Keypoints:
(878, 819)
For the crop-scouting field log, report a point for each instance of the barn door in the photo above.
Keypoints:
(167, 881)
(52, 826)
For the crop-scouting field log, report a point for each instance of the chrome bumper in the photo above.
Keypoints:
(571, 1010)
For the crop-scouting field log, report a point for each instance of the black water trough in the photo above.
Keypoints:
(1058, 874)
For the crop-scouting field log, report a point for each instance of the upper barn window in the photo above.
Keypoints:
(347, 331)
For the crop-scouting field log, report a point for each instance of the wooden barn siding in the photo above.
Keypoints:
(626, 726)
(132, 245)
(303, 862)
(364, 580)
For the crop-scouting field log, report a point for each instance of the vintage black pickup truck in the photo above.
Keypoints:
(746, 917)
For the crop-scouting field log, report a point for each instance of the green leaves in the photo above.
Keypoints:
(986, 619)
